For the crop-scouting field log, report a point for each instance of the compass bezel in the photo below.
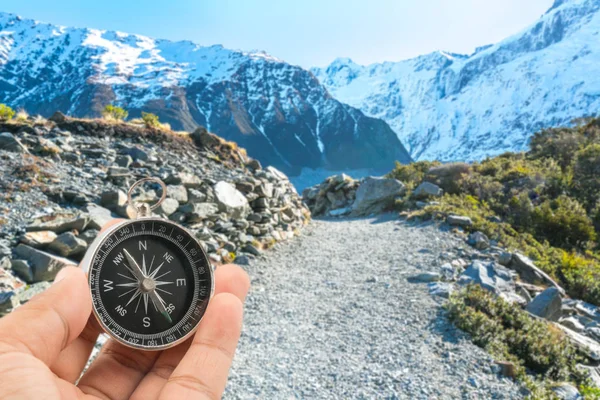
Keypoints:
(87, 266)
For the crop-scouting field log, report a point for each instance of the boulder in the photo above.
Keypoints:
(573, 324)
(113, 199)
(168, 206)
(67, 244)
(490, 276)
(60, 224)
(566, 391)
(8, 288)
(124, 160)
(230, 200)
(427, 189)
(426, 277)
(38, 239)
(9, 142)
(376, 194)
(441, 289)
(265, 190)
(196, 212)
(530, 273)
(547, 305)
(277, 174)
(479, 240)
(43, 266)
(58, 117)
(177, 192)
(458, 220)
(98, 216)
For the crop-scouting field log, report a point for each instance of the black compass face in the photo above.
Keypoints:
(151, 282)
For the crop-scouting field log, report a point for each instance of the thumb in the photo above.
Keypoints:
(51, 320)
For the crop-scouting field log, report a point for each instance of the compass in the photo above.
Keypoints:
(150, 280)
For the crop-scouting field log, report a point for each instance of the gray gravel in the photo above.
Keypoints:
(331, 315)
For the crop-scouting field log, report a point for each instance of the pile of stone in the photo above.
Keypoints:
(517, 279)
(59, 187)
(341, 195)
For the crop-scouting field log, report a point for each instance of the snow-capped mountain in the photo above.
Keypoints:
(280, 113)
(456, 107)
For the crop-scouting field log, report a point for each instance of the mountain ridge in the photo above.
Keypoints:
(451, 107)
(280, 113)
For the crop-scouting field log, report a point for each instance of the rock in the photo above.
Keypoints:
(340, 211)
(231, 200)
(58, 117)
(177, 192)
(123, 160)
(280, 176)
(573, 324)
(42, 266)
(442, 289)
(242, 260)
(168, 206)
(196, 196)
(38, 239)
(427, 189)
(8, 287)
(547, 304)
(505, 258)
(89, 235)
(507, 369)
(196, 212)
(490, 276)
(265, 190)
(530, 273)
(254, 164)
(113, 199)
(587, 346)
(426, 277)
(376, 194)
(566, 391)
(457, 220)
(118, 172)
(203, 138)
(9, 142)
(67, 244)
(479, 240)
(98, 216)
(60, 225)
(249, 248)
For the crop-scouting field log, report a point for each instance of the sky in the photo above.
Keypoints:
(307, 32)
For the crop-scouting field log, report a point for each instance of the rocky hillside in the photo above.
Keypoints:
(62, 179)
(446, 106)
(280, 113)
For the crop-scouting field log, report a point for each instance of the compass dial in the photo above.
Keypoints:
(151, 283)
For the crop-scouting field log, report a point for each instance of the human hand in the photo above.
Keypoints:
(45, 344)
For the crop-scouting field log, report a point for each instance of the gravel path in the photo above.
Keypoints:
(332, 316)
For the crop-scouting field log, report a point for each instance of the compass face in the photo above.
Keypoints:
(151, 283)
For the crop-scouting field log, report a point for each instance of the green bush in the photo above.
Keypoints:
(114, 113)
(564, 223)
(586, 175)
(511, 334)
(411, 174)
(151, 120)
(6, 113)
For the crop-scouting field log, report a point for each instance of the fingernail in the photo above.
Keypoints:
(62, 274)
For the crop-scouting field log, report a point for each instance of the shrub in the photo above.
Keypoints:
(510, 334)
(564, 223)
(150, 120)
(22, 116)
(6, 113)
(411, 174)
(586, 175)
(114, 113)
